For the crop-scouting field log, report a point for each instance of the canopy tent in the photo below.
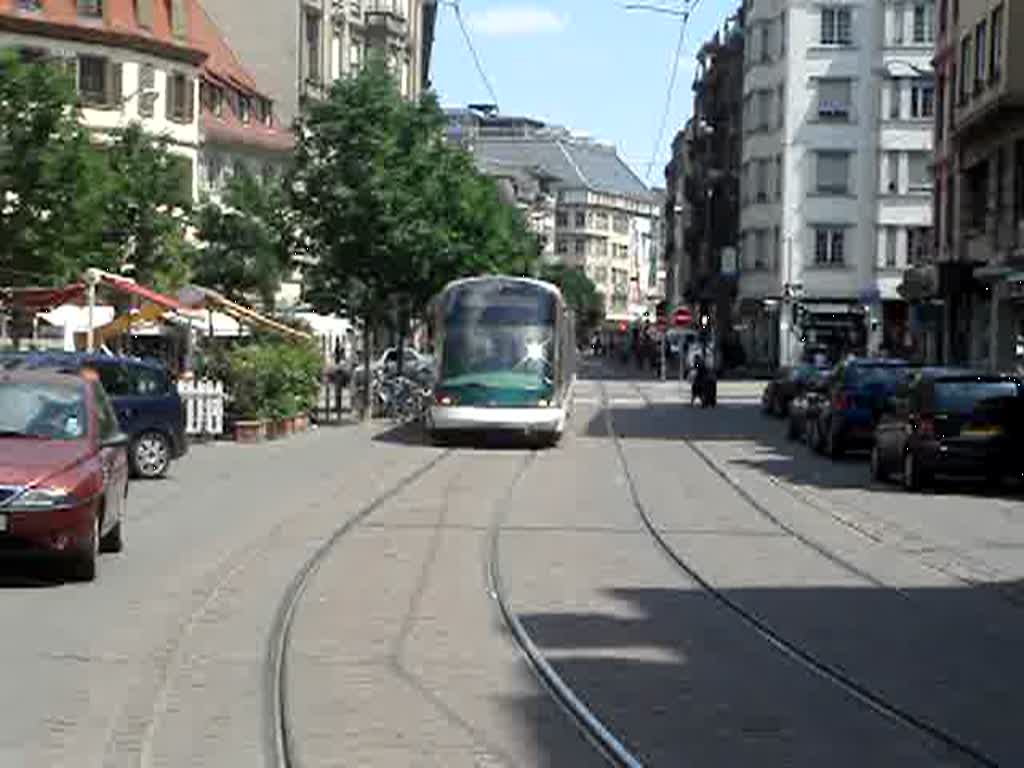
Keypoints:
(246, 315)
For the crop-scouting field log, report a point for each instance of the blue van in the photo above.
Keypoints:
(149, 409)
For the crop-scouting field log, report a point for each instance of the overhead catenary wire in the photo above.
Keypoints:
(684, 20)
(454, 4)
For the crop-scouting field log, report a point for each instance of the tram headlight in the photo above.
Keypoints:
(542, 403)
(444, 399)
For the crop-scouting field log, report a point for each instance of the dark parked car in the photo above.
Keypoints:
(806, 405)
(146, 401)
(63, 469)
(950, 422)
(858, 392)
(788, 383)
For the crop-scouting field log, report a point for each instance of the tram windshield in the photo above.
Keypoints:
(499, 335)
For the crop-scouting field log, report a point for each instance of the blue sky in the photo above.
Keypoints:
(589, 65)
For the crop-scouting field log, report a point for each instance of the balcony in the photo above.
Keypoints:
(384, 21)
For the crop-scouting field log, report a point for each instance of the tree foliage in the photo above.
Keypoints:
(245, 244)
(389, 211)
(69, 200)
(52, 182)
(580, 293)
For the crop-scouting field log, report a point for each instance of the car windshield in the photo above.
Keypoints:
(44, 411)
(876, 376)
(966, 396)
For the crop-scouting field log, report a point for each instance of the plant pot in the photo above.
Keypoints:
(250, 431)
(301, 423)
(288, 424)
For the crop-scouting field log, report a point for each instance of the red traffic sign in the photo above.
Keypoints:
(682, 316)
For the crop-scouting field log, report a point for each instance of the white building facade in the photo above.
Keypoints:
(836, 176)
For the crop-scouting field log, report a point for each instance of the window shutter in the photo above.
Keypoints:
(115, 92)
(190, 99)
(179, 23)
(144, 13)
(169, 96)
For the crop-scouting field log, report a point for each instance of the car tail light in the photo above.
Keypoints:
(444, 399)
(926, 427)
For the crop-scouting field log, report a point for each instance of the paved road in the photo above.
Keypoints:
(398, 655)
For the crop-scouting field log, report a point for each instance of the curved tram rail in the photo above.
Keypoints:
(805, 658)
(281, 749)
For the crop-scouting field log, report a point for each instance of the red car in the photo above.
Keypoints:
(63, 469)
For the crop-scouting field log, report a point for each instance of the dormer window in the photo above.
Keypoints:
(244, 109)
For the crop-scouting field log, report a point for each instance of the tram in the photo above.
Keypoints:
(506, 358)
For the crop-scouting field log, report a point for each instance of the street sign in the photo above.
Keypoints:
(682, 316)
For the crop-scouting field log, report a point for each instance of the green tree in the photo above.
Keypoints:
(580, 293)
(245, 243)
(147, 208)
(387, 210)
(53, 184)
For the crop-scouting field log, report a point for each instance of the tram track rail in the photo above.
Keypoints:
(799, 654)
(280, 749)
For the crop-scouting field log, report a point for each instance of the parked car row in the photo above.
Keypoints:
(73, 427)
(918, 422)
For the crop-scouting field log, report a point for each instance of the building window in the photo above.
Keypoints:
(580, 246)
(764, 110)
(620, 223)
(834, 97)
(778, 177)
(180, 94)
(762, 181)
(766, 42)
(980, 55)
(924, 23)
(99, 82)
(922, 100)
(144, 13)
(244, 108)
(147, 90)
(782, 34)
(833, 172)
(919, 171)
(898, 14)
(601, 220)
(896, 99)
(977, 190)
(965, 68)
(891, 233)
(780, 100)
(561, 219)
(919, 244)
(836, 26)
(312, 25)
(90, 8)
(829, 245)
(995, 67)
(561, 245)
(581, 220)
(892, 162)
(761, 254)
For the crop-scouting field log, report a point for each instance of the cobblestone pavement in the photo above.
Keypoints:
(398, 656)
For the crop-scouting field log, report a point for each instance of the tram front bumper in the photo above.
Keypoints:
(461, 417)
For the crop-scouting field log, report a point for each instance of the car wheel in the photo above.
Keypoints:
(878, 473)
(113, 541)
(151, 455)
(912, 479)
(83, 563)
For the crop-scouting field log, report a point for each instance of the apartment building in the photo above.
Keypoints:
(836, 173)
(297, 48)
(584, 203)
(133, 61)
(969, 295)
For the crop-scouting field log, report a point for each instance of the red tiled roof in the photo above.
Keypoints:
(224, 68)
(118, 25)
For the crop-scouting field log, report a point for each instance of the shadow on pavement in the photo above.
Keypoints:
(682, 682)
(30, 572)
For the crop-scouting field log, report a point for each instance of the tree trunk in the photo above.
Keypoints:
(367, 413)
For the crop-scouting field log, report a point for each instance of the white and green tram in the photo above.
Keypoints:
(506, 358)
